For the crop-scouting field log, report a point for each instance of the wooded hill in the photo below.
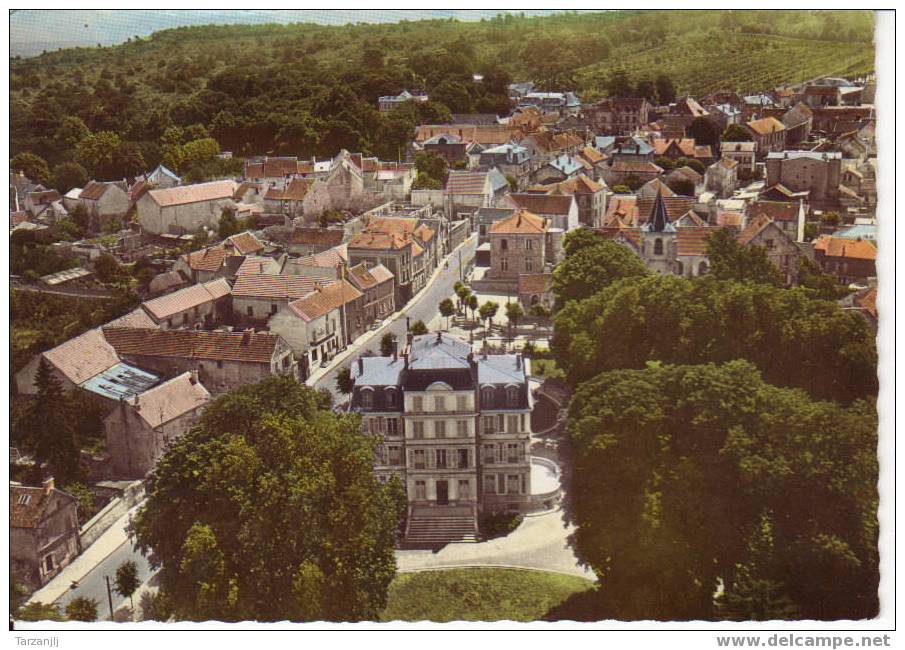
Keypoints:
(308, 89)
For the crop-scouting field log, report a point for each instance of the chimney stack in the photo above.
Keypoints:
(193, 377)
(246, 336)
(518, 361)
(361, 366)
(48, 485)
(395, 350)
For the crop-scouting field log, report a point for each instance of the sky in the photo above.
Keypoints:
(35, 30)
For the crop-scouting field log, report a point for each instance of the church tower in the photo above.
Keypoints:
(658, 239)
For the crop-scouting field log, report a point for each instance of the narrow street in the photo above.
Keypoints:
(423, 307)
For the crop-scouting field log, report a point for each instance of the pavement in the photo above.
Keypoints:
(423, 306)
(100, 559)
(539, 543)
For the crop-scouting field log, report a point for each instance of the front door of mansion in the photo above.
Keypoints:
(442, 493)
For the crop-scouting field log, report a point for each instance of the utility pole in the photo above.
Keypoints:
(109, 597)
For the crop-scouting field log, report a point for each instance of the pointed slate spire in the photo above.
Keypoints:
(658, 220)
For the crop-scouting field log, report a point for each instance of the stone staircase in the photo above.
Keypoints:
(438, 526)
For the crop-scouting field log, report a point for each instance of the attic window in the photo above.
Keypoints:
(23, 499)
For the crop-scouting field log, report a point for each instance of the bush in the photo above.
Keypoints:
(498, 524)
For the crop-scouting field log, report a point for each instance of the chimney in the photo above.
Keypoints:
(409, 339)
(518, 361)
(48, 484)
(246, 336)
(395, 350)
(439, 338)
(193, 377)
(484, 349)
(361, 366)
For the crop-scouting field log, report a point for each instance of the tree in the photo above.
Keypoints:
(71, 131)
(228, 225)
(736, 133)
(447, 309)
(462, 292)
(578, 239)
(386, 344)
(821, 285)
(344, 381)
(96, 152)
(106, 268)
(433, 166)
(514, 313)
(418, 327)
(622, 189)
(730, 260)
(646, 88)
(69, 175)
(618, 85)
(539, 310)
(84, 497)
(666, 90)
(633, 182)
(694, 164)
(705, 131)
(681, 476)
(488, 310)
(49, 426)
(666, 163)
(587, 270)
(127, 581)
(80, 217)
(268, 509)
(32, 166)
(82, 609)
(40, 612)
(831, 218)
(681, 186)
(471, 301)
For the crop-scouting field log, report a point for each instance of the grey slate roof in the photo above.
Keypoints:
(500, 369)
(438, 351)
(378, 371)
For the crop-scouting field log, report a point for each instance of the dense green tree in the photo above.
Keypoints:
(794, 339)
(514, 313)
(580, 238)
(647, 89)
(447, 309)
(96, 152)
(618, 85)
(344, 381)
(681, 186)
(71, 131)
(106, 268)
(386, 344)
(736, 133)
(228, 225)
(589, 269)
(694, 164)
(40, 612)
(681, 480)
(666, 163)
(823, 286)
(431, 165)
(82, 609)
(471, 301)
(666, 90)
(730, 260)
(84, 497)
(34, 167)
(49, 428)
(705, 131)
(487, 311)
(418, 327)
(68, 175)
(127, 581)
(269, 510)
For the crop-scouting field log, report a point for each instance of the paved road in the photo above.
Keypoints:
(424, 307)
(94, 586)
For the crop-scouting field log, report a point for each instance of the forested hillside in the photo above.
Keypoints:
(309, 89)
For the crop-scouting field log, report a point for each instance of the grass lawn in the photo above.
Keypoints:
(479, 595)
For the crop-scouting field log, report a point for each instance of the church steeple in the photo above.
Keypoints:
(658, 220)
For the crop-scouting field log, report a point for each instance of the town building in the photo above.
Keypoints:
(199, 305)
(721, 177)
(387, 103)
(104, 201)
(618, 115)
(511, 160)
(222, 360)
(849, 261)
(590, 197)
(43, 532)
(780, 248)
(523, 243)
(455, 428)
(139, 430)
(744, 153)
(560, 210)
(804, 171)
(258, 296)
(769, 134)
(466, 191)
(184, 209)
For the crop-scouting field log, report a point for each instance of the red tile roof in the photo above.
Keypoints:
(207, 259)
(543, 203)
(776, 210)
(379, 241)
(94, 190)
(361, 277)
(28, 505)
(766, 125)
(185, 194)
(626, 167)
(520, 223)
(324, 299)
(170, 400)
(753, 228)
(675, 206)
(534, 283)
(868, 301)
(246, 243)
(248, 347)
(693, 241)
(295, 190)
(261, 285)
(81, 358)
(860, 249)
(193, 296)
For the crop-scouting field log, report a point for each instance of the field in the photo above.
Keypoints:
(479, 595)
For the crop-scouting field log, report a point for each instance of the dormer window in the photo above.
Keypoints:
(487, 396)
(512, 396)
(367, 398)
(391, 396)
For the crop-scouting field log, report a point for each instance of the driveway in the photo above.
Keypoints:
(538, 543)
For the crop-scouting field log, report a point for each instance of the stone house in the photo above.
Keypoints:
(744, 153)
(769, 134)
(620, 172)
(43, 532)
(519, 245)
(817, 96)
(450, 147)
(317, 326)
(466, 191)
(105, 200)
(781, 248)
(160, 176)
(392, 250)
(223, 360)
(805, 171)
(625, 149)
(562, 168)
(289, 199)
(37, 202)
(510, 159)
(618, 115)
(201, 305)
(590, 196)
(675, 148)
(140, 429)
(534, 289)
(184, 209)
(376, 284)
(258, 296)
(455, 429)
(798, 121)
(849, 261)
(722, 177)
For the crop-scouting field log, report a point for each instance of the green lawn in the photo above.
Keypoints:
(479, 595)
